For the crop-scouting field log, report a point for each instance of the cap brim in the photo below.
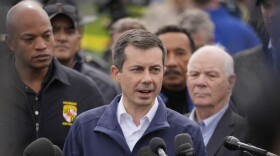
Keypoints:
(62, 13)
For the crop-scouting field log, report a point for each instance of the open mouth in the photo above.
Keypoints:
(145, 93)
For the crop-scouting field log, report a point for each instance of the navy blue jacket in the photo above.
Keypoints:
(97, 132)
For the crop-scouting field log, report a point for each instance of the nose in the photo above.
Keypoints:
(200, 81)
(60, 36)
(146, 78)
(40, 44)
(171, 60)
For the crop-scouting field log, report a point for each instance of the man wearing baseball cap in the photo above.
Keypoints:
(65, 19)
(257, 88)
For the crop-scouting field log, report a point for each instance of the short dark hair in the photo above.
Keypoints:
(176, 29)
(138, 38)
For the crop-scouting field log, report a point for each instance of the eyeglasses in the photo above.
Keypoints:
(59, 7)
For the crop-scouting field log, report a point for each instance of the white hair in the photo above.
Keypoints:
(228, 60)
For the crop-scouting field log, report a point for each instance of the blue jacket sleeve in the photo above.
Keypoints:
(72, 145)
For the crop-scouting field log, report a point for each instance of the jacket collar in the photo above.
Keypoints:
(109, 118)
(224, 128)
(60, 72)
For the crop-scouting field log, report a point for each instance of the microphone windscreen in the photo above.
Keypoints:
(39, 147)
(231, 143)
(146, 151)
(182, 139)
(57, 151)
(183, 145)
(157, 143)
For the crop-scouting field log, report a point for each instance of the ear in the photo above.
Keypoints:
(9, 42)
(79, 38)
(231, 81)
(115, 73)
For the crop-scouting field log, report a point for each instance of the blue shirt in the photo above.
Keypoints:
(234, 34)
(208, 126)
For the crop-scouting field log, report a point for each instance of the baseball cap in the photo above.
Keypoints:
(65, 9)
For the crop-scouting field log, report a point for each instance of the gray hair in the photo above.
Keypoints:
(228, 60)
(197, 20)
(138, 38)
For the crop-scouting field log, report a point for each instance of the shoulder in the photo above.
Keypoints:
(74, 75)
(251, 53)
(239, 120)
(90, 115)
(95, 74)
(176, 119)
(76, 78)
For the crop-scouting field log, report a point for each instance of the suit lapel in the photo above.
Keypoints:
(224, 128)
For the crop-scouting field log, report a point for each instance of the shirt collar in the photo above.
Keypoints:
(150, 115)
(214, 119)
(60, 72)
(208, 126)
(209, 120)
(20, 82)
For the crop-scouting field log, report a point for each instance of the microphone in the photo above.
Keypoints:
(183, 145)
(42, 147)
(158, 146)
(233, 143)
(146, 151)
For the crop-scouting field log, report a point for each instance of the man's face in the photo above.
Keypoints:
(32, 41)
(141, 76)
(67, 39)
(271, 17)
(207, 83)
(178, 54)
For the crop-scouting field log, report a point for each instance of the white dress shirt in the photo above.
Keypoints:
(133, 133)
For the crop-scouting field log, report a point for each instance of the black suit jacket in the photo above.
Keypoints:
(256, 93)
(252, 73)
(231, 124)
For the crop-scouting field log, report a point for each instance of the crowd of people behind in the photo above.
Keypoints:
(192, 66)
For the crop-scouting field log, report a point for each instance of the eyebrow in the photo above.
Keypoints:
(30, 34)
(133, 66)
(47, 31)
(156, 65)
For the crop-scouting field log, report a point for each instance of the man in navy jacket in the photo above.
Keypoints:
(138, 115)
